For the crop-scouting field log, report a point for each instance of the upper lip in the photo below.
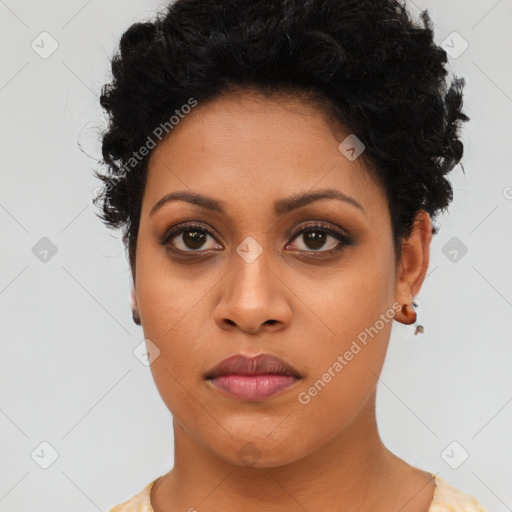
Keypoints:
(261, 364)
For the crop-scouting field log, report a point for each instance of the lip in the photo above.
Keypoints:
(253, 377)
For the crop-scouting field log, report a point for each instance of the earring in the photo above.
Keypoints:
(135, 311)
(419, 328)
(135, 316)
(413, 317)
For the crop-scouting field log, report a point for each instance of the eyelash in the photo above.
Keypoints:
(343, 239)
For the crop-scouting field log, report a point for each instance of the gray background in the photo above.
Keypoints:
(68, 375)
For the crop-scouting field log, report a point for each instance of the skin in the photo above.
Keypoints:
(248, 151)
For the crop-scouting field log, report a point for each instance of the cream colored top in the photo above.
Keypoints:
(446, 499)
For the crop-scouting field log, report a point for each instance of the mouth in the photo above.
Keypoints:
(253, 378)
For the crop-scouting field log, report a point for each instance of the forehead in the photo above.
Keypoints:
(245, 146)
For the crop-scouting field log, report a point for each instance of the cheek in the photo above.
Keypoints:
(171, 297)
(175, 308)
(357, 316)
(350, 298)
(343, 374)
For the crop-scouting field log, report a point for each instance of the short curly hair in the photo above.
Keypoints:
(366, 63)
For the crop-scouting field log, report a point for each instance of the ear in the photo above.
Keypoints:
(413, 263)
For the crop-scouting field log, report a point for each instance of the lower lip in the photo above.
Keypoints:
(254, 387)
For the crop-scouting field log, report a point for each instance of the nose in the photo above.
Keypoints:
(253, 298)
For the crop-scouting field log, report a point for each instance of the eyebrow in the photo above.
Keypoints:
(281, 206)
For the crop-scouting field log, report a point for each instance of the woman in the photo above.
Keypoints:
(276, 166)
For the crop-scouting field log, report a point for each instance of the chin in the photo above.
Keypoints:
(267, 452)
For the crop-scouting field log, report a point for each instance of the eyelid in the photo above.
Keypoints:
(335, 232)
(179, 228)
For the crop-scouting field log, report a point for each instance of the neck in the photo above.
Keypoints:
(354, 469)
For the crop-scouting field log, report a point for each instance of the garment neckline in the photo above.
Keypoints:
(437, 483)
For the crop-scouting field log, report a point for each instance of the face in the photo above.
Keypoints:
(249, 280)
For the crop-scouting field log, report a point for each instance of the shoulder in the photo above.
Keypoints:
(448, 498)
(139, 503)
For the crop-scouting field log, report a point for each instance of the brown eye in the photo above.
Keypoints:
(193, 239)
(315, 238)
(188, 238)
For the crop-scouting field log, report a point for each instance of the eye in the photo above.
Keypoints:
(192, 237)
(188, 238)
(315, 237)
